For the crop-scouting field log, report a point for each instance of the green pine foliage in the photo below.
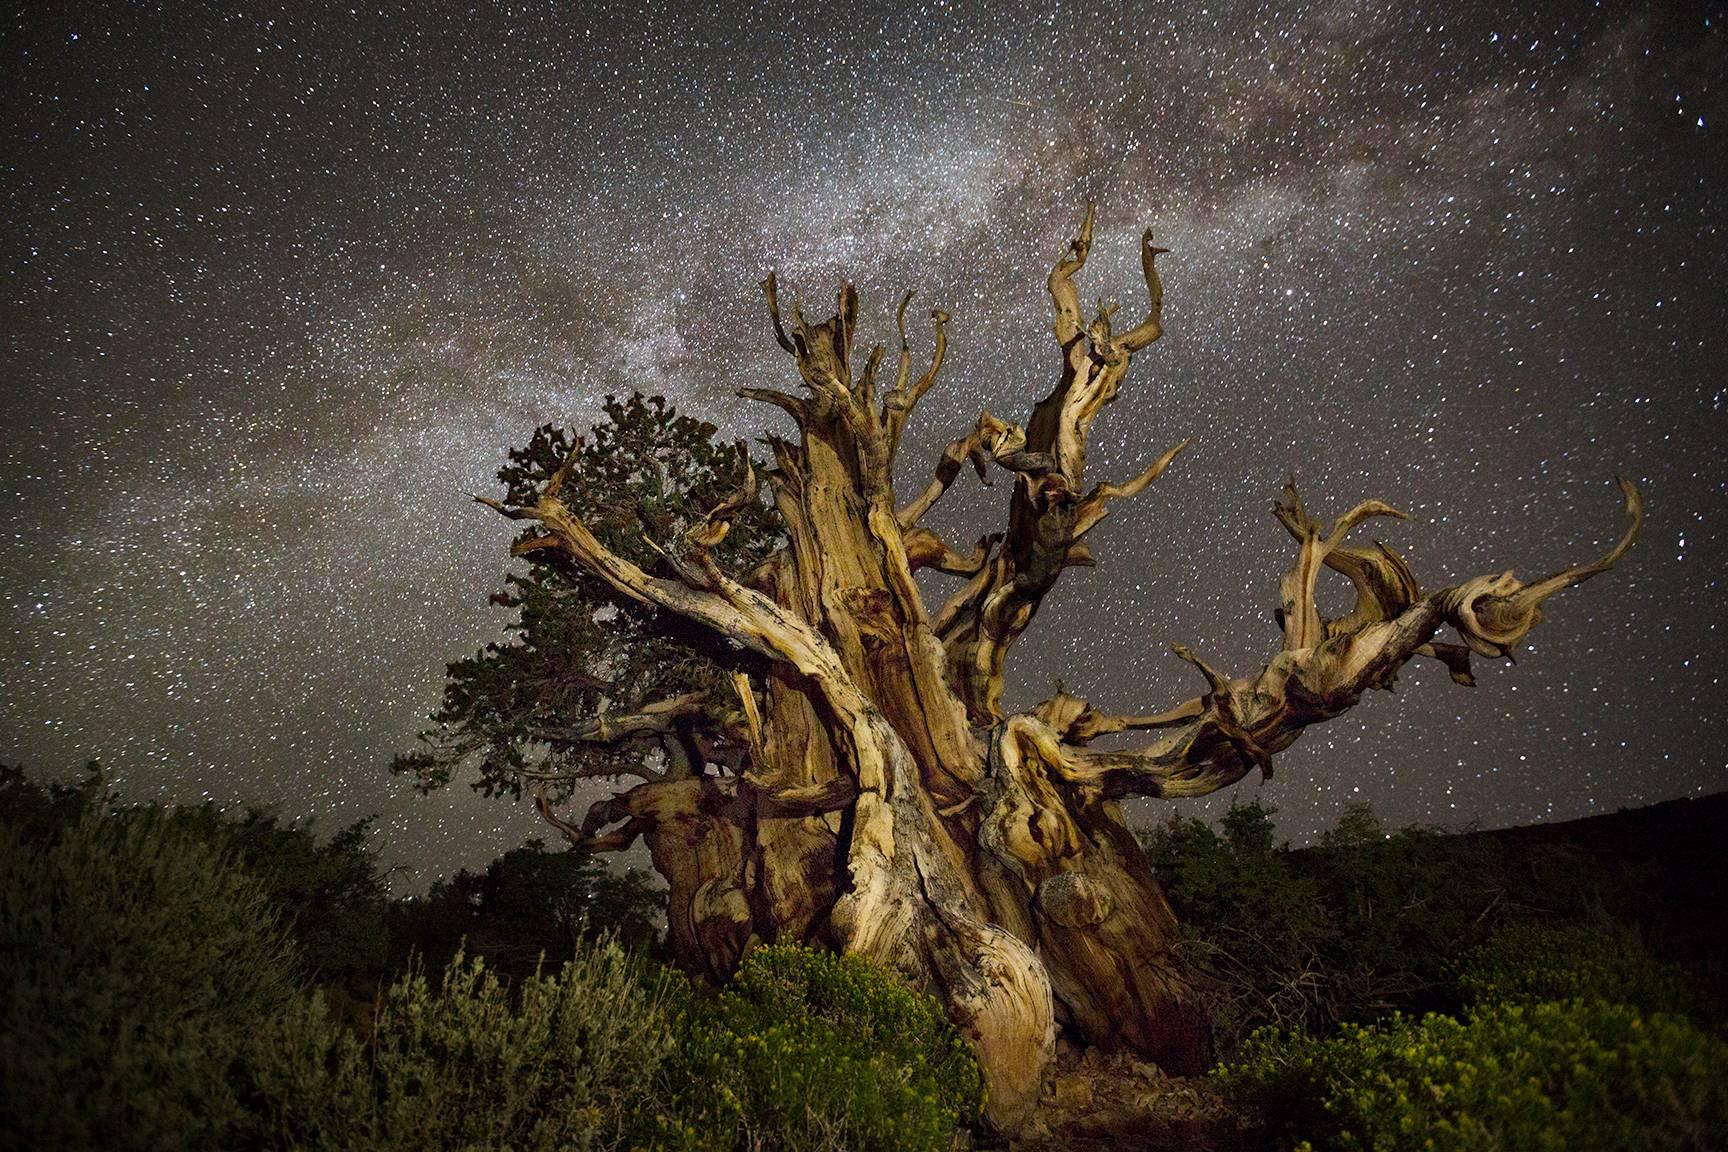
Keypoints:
(809, 1050)
(578, 648)
(136, 962)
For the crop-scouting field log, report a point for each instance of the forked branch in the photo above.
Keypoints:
(897, 405)
(653, 721)
(714, 599)
(1047, 514)
(1380, 580)
(1096, 504)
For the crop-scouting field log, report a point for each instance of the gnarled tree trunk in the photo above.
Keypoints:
(861, 786)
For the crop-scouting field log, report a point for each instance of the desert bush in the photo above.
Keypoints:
(1540, 1076)
(1576, 1039)
(556, 1061)
(136, 962)
(1594, 960)
(809, 1050)
(1403, 903)
(38, 810)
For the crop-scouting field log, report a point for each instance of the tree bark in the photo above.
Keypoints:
(863, 789)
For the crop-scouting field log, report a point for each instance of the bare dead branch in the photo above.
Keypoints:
(866, 389)
(1047, 514)
(925, 549)
(653, 721)
(1096, 504)
(847, 318)
(771, 290)
(976, 446)
(595, 842)
(1063, 294)
(1152, 326)
(1383, 582)
(734, 611)
(1456, 657)
(1493, 613)
(793, 406)
(903, 372)
(898, 404)
(1243, 723)
(834, 795)
(1077, 722)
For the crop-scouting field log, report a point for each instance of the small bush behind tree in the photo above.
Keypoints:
(1255, 931)
(1404, 902)
(527, 903)
(1364, 924)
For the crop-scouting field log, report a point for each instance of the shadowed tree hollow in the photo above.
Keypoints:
(815, 753)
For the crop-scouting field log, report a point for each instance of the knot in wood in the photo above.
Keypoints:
(872, 612)
(1073, 901)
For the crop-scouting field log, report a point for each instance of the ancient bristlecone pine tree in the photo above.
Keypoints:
(855, 781)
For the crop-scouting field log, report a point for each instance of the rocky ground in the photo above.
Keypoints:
(1100, 1100)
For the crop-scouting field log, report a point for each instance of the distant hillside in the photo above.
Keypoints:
(1664, 868)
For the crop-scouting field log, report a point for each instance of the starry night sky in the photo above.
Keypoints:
(281, 289)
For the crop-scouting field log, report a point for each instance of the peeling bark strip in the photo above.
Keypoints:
(872, 795)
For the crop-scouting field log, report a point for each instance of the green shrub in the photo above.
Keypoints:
(1600, 960)
(555, 1062)
(1403, 903)
(1555, 1075)
(136, 961)
(810, 1050)
(40, 809)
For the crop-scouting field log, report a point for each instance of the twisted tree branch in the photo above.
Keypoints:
(1239, 724)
